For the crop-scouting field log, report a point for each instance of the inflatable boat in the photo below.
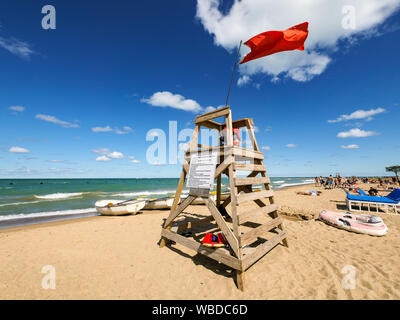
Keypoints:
(159, 204)
(119, 207)
(360, 223)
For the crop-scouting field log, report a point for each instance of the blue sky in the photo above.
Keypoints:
(333, 108)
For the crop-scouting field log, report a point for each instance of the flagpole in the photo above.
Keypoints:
(233, 73)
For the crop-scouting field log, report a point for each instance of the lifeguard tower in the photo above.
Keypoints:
(248, 238)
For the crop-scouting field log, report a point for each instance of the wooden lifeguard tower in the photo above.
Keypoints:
(248, 241)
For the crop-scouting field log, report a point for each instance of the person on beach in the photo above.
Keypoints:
(339, 180)
(372, 192)
(309, 193)
(330, 182)
(317, 183)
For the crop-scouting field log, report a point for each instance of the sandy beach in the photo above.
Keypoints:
(119, 258)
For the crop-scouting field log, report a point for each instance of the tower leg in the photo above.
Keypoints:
(240, 279)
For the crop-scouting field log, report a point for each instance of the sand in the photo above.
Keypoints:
(119, 258)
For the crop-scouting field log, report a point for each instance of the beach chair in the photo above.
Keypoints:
(361, 192)
(391, 201)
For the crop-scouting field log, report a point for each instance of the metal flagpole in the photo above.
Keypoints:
(233, 73)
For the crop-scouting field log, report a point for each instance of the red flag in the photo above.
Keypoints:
(270, 42)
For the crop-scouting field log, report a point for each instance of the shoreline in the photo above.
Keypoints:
(27, 221)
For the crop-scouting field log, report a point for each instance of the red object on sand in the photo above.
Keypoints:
(270, 42)
(214, 241)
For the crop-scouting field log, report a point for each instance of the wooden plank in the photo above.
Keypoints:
(251, 134)
(247, 153)
(251, 181)
(211, 125)
(180, 208)
(240, 279)
(222, 167)
(254, 195)
(247, 216)
(240, 123)
(185, 166)
(250, 167)
(185, 224)
(212, 115)
(219, 254)
(224, 150)
(176, 201)
(221, 223)
(252, 235)
(226, 201)
(193, 141)
(232, 175)
(261, 250)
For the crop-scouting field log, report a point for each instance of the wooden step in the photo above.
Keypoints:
(219, 254)
(250, 167)
(250, 256)
(247, 154)
(252, 235)
(243, 197)
(250, 181)
(247, 216)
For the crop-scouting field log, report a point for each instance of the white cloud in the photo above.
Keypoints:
(55, 120)
(116, 155)
(17, 108)
(107, 154)
(101, 151)
(17, 47)
(359, 114)
(291, 145)
(266, 148)
(351, 146)
(356, 133)
(248, 18)
(243, 80)
(209, 109)
(135, 161)
(125, 130)
(18, 150)
(167, 99)
(102, 129)
(103, 159)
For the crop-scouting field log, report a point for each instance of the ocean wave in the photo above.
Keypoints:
(58, 196)
(280, 181)
(47, 214)
(144, 193)
(285, 185)
(17, 203)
